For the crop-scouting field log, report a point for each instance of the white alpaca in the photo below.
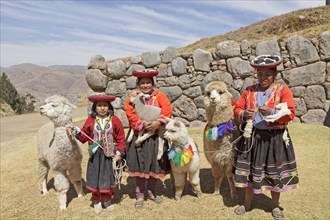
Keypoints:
(219, 135)
(57, 150)
(146, 113)
(176, 133)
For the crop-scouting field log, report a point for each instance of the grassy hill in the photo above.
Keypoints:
(309, 23)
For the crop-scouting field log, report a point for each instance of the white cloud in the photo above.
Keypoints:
(70, 32)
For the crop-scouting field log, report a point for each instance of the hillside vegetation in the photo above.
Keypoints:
(308, 23)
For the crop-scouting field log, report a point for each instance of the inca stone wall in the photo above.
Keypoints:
(183, 77)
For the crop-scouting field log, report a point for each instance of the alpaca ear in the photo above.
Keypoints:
(135, 93)
(72, 105)
(167, 119)
(229, 94)
(178, 124)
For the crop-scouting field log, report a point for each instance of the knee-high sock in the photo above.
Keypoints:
(151, 187)
(139, 187)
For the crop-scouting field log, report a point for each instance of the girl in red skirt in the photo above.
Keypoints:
(106, 138)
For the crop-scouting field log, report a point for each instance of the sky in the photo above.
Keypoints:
(46, 32)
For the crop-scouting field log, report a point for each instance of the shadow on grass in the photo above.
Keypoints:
(71, 194)
(128, 189)
(260, 201)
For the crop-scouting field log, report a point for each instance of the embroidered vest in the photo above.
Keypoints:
(105, 135)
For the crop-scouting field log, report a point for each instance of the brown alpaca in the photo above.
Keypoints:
(219, 150)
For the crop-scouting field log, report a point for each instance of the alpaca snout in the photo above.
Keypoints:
(42, 111)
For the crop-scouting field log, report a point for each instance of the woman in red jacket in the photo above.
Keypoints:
(266, 160)
(142, 160)
(105, 135)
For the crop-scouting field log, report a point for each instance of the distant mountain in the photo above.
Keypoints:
(42, 82)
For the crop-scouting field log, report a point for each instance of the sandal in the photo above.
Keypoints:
(277, 214)
(139, 203)
(240, 210)
(157, 199)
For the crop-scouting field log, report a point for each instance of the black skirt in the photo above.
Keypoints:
(100, 176)
(142, 160)
(265, 162)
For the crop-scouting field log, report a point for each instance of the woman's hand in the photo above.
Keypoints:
(152, 126)
(265, 110)
(249, 113)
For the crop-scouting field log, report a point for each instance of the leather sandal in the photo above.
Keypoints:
(278, 214)
(138, 203)
(240, 210)
(157, 199)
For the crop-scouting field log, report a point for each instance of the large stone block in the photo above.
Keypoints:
(96, 80)
(179, 66)
(169, 54)
(324, 45)
(269, 47)
(227, 49)
(151, 59)
(306, 75)
(202, 60)
(302, 51)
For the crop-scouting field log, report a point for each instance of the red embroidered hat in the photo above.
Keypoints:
(145, 73)
(266, 61)
(101, 98)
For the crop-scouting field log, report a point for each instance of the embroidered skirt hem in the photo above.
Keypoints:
(142, 160)
(266, 162)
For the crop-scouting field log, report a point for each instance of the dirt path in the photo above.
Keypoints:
(27, 125)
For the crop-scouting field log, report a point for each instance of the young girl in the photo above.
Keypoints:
(106, 138)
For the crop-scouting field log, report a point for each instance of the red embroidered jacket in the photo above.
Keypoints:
(117, 132)
(281, 94)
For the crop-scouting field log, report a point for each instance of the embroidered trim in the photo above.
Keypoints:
(105, 134)
(180, 159)
(217, 132)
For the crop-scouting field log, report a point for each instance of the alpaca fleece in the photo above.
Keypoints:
(219, 153)
(57, 150)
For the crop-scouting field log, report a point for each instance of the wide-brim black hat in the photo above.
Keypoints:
(266, 61)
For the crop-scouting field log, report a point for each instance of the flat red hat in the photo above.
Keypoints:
(101, 98)
(266, 61)
(145, 74)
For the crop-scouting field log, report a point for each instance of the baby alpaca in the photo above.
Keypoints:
(281, 110)
(218, 134)
(58, 151)
(184, 157)
(146, 113)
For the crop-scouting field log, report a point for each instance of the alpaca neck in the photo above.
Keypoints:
(216, 115)
(62, 120)
(181, 145)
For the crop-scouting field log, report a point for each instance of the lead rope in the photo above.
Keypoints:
(116, 167)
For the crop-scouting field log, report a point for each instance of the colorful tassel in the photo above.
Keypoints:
(217, 132)
(180, 159)
(93, 147)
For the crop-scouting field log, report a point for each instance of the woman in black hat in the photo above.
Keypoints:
(266, 160)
